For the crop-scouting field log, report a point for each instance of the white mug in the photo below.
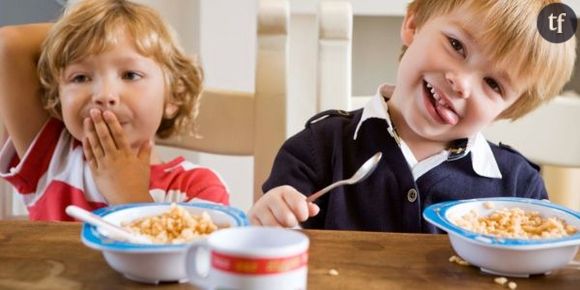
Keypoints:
(257, 258)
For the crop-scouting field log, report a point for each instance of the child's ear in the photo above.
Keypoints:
(408, 28)
(170, 110)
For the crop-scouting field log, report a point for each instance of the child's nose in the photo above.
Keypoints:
(105, 96)
(459, 83)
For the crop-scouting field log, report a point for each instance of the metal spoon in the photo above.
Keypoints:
(113, 231)
(363, 172)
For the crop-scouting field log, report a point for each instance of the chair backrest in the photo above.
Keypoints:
(240, 123)
(5, 189)
(334, 83)
(547, 135)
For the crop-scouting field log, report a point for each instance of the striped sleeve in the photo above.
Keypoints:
(181, 180)
(24, 174)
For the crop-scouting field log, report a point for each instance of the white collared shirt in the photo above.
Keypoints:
(483, 161)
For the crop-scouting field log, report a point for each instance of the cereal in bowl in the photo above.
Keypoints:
(174, 226)
(515, 223)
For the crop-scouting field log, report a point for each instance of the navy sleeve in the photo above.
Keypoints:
(304, 163)
(521, 177)
(536, 188)
(297, 164)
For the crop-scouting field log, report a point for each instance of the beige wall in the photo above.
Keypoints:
(563, 185)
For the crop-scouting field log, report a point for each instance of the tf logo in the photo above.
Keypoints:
(557, 22)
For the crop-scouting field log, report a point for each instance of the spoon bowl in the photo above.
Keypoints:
(361, 174)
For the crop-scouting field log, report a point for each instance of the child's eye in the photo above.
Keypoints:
(493, 85)
(80, 78)
(457, 45)
(132, 76)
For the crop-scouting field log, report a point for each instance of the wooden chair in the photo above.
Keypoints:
(5, 188)
(250, 124)
(334, 55)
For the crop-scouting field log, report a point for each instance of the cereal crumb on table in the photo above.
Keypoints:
(500, 280)
(458, 260)
(503, 281)
(333, 272)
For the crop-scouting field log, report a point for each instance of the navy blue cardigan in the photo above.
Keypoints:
(389, 199)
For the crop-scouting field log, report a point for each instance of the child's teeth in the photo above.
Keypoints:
(437, 98)
(435, 95)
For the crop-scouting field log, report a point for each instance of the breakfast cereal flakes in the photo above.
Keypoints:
(173, 227)
(515, 223)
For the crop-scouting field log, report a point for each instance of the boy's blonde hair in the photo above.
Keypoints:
(93, 26)
(508, 31)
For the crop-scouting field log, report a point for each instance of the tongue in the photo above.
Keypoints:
(447, 115)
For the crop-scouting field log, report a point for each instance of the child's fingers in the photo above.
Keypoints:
(265, 218)
(256, 211)
(88, 151)
(116, 130)
(254, 220)
(274, 210)
(145, 151)
(313, 209)
(102, 131)
(260, 215)
(93, 140)
(296, 203)
(283, 213)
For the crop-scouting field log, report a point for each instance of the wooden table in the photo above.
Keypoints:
(37, 255)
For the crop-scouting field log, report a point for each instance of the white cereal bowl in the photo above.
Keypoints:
(507, 256)
(151, 263)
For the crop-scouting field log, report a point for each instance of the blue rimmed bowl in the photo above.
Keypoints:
(507, 256)
(151, 263)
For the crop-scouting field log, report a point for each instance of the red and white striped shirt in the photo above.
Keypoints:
(54, 174)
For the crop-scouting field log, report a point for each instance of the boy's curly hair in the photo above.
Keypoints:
(93, 26)
(508, 31)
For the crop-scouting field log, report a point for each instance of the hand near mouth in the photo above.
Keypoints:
(121, 174)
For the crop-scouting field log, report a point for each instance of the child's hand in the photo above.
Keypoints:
(120, 174)
(282, 206)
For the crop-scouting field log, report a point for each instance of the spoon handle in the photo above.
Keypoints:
(313, 197)
(113, 230)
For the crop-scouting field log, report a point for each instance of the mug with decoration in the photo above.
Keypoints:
(256, 258)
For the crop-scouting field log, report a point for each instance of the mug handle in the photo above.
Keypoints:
(191, 264)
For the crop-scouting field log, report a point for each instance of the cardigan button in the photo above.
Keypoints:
(412, 195)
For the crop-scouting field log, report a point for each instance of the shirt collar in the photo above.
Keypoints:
(374, 108)
(482, 158)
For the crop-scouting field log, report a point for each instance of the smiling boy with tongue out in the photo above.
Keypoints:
(464, 64)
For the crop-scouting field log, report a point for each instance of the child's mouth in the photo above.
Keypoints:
(441, 110)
